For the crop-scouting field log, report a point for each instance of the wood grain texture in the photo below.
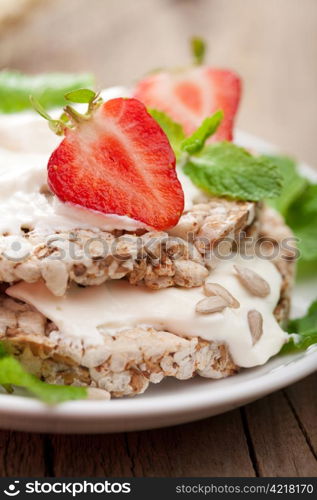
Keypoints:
(274, 437)
(199, 449)
(303, 399)
(92, 456)
(23, 454)
(209, 448)
(280, 447)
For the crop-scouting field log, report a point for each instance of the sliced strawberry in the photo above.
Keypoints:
(191, 95)
(119, 162)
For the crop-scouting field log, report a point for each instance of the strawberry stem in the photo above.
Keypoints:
(198, 49)
(74, 116)
(57, 126)
(93, 105)
(70, 118)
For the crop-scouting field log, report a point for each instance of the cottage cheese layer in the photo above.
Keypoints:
(26, 143)
(90, 314)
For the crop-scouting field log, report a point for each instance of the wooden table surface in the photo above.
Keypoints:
(275, 436)
(273, 45)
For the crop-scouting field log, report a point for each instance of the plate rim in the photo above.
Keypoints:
(306, 364)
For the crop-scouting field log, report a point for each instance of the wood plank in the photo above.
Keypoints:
(91, 456)
(303, 398)
(22, 454)
(209, 448)
(280, 447)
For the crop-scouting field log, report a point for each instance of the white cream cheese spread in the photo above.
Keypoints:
(93, 312)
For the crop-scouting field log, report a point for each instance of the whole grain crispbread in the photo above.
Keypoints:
(128, 362)
(157, 259)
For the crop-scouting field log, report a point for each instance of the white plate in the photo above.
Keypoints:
(171, 402)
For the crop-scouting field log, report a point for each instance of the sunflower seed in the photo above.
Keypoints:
(211, 305)
(253, 281)
(255, 321)
(189, 274)
(218, 290)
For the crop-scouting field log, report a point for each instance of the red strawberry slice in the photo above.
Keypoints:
(191, 95)
(119, 162)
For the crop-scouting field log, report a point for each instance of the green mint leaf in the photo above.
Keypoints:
(49, 89)
(13, 374)
(196, 141)
(198, 48)
(294, 184)
(81, 96)
(224, 169)
(173, 130)
(305, 330)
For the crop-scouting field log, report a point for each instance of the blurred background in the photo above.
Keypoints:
(272, 44)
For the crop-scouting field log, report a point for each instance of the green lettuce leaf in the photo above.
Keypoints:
(303, 331)
(298, 204)
(306, 269)
(48, 89)
(307, 240)
(224, 169)
(13, 374)
(2, 350)
(305, 206)
(302, 218)
(293, 185)
(306, 324)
